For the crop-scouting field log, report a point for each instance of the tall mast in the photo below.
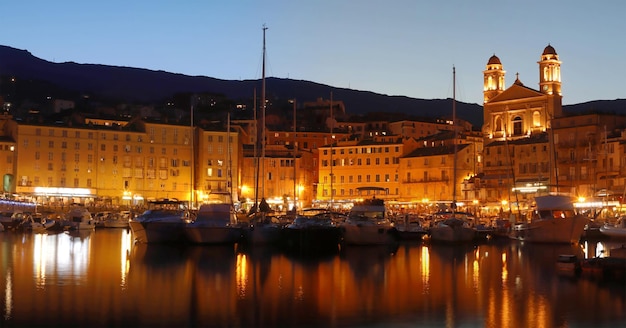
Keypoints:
(256, 156)
(263, 117)
(193, 163)
(230, 158)
(332, 140)
(455, 137)
(295, 189)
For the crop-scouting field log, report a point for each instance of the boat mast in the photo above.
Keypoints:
(332, 140)
(455, 138)
(256, 157)
(193, 155)
(229, 173)
(295, 190)
(263, 117)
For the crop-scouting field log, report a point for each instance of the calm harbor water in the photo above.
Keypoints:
(102, 279)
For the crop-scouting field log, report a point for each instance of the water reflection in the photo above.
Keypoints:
(102, 279)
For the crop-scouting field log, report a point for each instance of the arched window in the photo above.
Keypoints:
(498, 124)
(517, 126)
(536, 118)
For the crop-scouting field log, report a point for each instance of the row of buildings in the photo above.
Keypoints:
(526, 146)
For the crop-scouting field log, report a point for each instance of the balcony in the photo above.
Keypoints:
(428, 180)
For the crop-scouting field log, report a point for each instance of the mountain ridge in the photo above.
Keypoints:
(123, 83)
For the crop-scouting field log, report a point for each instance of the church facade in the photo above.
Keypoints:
(517, 152)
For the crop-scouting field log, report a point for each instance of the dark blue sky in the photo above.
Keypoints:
(401, 47)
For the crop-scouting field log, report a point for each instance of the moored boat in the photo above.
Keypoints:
(568, 264)
(452, 227)
(262, 229)
(215, 223)
(616, 230)
(553, 221)
(79, 218)
(118, 220)
(163, 221)
(312, 232)
(368, 224)
(410, 228)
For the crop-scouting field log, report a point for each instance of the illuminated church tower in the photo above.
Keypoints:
(519, 111)
(550, 72)
(494, 78)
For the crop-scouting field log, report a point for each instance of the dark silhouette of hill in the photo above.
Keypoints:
(127, 84)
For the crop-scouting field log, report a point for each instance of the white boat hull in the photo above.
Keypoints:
(158, 231)
(550, 231)
(362, 234)
(613, 231)
(115, 224)
(458, 234)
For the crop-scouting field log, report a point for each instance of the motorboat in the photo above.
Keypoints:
(163, 221)
(13, 220)
(410, 228)
(615, 230)
(262, 229)
(33, 222)
(6, 220)
(215, 223)
(368, 224)
(100, 217)
(452, 227)
(117, 220)
(553, 221)
(79, 218)
(314, 230)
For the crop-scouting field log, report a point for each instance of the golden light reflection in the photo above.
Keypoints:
(241, 274)
(127, 242)
(476, 269)
(505, 273)
(425, 263)
(8, 295)
(39, 260)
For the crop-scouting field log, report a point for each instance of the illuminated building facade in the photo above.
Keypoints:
(516, 123)
(590, 154)
(347, 166)
(218, 157)
(104, 161)
(282, 174)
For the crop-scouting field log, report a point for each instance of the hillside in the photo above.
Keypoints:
(126, 84)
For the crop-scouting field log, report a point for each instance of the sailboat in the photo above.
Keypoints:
(261, 229)
(454, 226)
(216, 221)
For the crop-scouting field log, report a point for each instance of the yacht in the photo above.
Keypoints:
(215, 223)
(616, 230)
(368, 224)
(452, 227)
(79, 218)
(313, 230)
(117, 220)
(553, 221)
(163, 221)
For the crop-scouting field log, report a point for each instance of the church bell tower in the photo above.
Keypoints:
(493, 84)
(550, 72)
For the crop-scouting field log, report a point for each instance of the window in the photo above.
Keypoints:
(517, 126)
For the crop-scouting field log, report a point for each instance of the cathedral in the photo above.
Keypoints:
(517, 119)
(520, 111)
